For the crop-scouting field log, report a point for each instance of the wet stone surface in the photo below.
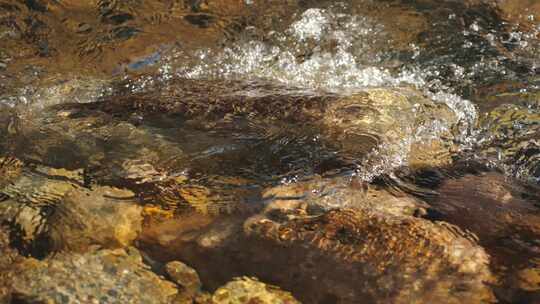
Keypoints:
(184, 276)
(227, 151)
(8, 258)
(246, 290)
(383, 249)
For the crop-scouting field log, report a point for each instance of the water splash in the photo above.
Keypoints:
(322, 50)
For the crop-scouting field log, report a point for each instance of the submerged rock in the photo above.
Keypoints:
(529, 279)
(375, 249)
(375, 127)
(108, 149)
(510, 138)
(504, 216)
(52, 206)
(506, 208)
(26, 225)
(29, 195)
(10, 168)
(390, 128)
(103, 216)
(106, 276)
(398, 260)
(323, 194)
(213, 195)
(185, 276)
(140, 138)
(38, 185)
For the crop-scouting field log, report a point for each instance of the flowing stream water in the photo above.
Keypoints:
(212, 111)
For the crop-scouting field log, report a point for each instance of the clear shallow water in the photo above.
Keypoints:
(202, 106)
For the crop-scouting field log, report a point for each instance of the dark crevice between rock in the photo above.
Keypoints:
(39, 247)
(36, 5)
(117, 19)
(200, 20)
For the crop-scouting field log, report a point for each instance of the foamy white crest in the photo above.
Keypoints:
(393, 154)
(330, 70)
(312, 24)
(384, 159)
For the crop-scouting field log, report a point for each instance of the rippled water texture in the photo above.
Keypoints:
(358, 151)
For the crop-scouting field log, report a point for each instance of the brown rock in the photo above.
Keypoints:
(384, 258)
(250, 290)
(375, 249)
(111, 276)
(520, 11)
(103, 216)
(51, 205)
(8, 258)
(184, 276)
(529, 279)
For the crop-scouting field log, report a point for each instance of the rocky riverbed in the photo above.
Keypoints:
(227, 151)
